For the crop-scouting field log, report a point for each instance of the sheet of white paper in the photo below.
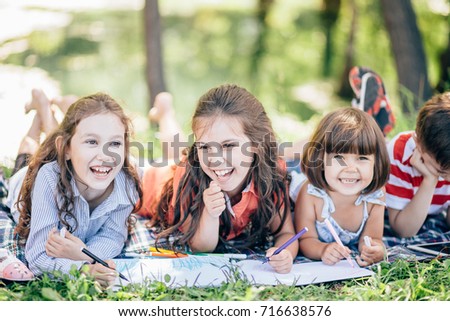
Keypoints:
(212, 271)
(301, 274)
(189, 271)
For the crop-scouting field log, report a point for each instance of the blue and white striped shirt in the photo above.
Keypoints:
(104, 231)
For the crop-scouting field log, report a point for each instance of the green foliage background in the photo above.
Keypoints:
(103, 50)
(212, 44)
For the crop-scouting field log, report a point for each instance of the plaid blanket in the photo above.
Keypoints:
(434, 229)
(7, 239)
(142, 237)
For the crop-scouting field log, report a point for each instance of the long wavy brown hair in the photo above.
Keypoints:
(269, 179)
(95, 104)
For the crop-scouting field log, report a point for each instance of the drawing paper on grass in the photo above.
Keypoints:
(213, 271)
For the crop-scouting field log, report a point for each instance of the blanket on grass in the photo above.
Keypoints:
(142, 238)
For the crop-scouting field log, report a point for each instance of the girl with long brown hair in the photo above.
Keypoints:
(80, 180)
(231, 190)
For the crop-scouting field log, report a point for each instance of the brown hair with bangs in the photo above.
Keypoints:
(348, 130)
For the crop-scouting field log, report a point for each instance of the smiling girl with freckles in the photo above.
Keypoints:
(80, 180)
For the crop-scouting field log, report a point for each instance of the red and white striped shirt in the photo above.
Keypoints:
(404, 180)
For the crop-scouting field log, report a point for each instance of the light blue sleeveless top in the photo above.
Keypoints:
(347, 237)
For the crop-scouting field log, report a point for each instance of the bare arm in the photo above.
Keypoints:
(374, 230)
(310, 245)
(206, 236)
(407, 222)
(305, 216)
(283, 261)
(287, 231)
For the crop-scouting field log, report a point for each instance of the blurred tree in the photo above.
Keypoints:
(444, 59)
(155, 74)
(329, 15)
(345, 90)
(409, 54)
(260, 44)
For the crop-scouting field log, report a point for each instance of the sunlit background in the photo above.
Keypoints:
(85, 46)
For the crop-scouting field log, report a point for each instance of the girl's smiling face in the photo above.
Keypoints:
(348, 174)
(225, 152)
(97, 153)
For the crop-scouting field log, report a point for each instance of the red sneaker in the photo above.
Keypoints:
(371, 97)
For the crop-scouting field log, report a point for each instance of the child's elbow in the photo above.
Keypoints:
(403, 231)
(202, 248)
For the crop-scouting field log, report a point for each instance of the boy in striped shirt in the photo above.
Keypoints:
(418, 190)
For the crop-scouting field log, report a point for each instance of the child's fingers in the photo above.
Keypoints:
(216, 202)
(367, 260)
(373, 254)
(283, 266)
(334, 253)
(55, 239)
(219, 196)
(283, 255)
(213, 190)
(50, 249)
(105, 276)
(347, 252)
(361, 262)
(70, 236)
(103, 272)
(373, 251)
(330, 260)
(52, 232)
(281, 262)
(343, 251)
(213, 187)
(270, 251)
(370, 250)
(111, 264)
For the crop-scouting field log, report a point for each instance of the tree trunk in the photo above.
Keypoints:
(329, 15)
(406, 42)
(345, 90)
(154, 70)
(444, 79)
(260, 43)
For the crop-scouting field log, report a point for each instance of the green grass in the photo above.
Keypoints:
(401, 280)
